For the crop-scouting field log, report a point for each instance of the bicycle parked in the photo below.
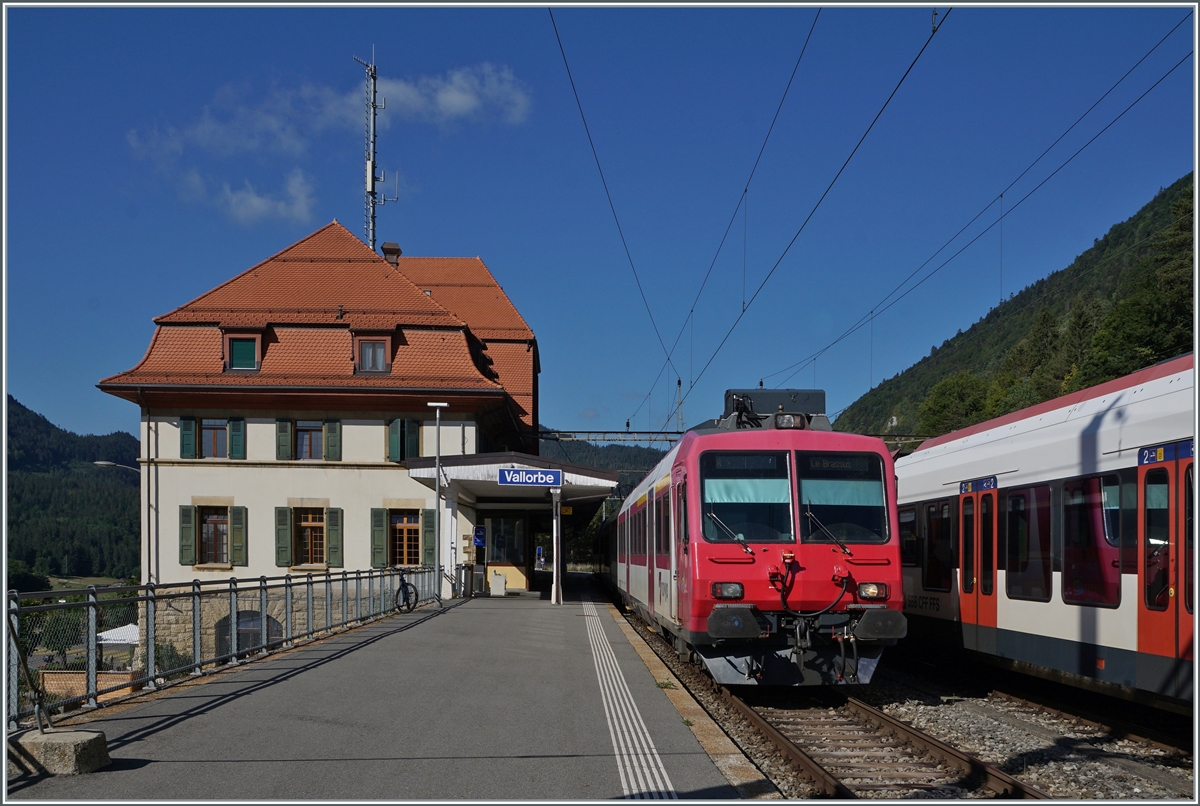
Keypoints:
(406, 594)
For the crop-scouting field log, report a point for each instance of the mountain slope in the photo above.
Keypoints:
(1066, 309)
(65, 515)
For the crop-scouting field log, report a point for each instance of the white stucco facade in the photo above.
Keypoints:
(363, 479)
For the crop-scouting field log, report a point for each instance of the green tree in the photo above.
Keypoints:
(1154, 322)
(953, 403)
(21, 578)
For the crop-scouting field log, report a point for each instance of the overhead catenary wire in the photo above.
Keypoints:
(882, 309)
(689, 322)
(607, 193)
(816, 206)
(982, 328)
(1000, 197)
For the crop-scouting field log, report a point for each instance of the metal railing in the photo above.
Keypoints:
(82, 648)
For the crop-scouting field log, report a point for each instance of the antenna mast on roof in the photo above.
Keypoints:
(371, 199)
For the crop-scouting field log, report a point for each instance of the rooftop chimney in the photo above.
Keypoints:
(391, 252)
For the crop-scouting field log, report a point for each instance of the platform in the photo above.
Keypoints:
(491, 698)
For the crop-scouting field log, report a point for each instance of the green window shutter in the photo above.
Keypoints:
(237, 535)
(283, 536)
(187, 437)
(378, 538)
(237, 438)
(333, 537)
(395, 441)
(283, 440)
(333, 440)
(243, 354)
(412, 438)
(187, 535)
(428, 538)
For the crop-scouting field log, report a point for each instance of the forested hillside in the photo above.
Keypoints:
(631, 460)
(65, 515)
(1122, 305)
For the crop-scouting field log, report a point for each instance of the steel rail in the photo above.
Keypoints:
(991, 777)
(974, 769)
(821, 777)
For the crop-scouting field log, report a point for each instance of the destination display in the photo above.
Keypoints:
(977, 485)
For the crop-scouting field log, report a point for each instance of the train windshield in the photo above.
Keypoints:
(841, 497)
(746, 497)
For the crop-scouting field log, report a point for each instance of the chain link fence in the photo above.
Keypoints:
(84, 648)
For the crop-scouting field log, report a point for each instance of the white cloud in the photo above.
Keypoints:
(286, 120)
(247, 206)
(476, 94)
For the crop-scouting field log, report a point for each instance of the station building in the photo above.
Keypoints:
(285, 425)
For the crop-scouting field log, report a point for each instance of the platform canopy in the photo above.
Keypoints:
(478, 475)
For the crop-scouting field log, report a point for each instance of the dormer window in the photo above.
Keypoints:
(372, 354)
(242, 352)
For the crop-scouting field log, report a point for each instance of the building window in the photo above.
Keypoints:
(243, 353)
(405, 537)
(310, 536)
(308, 439)
(371, 356)
(506, 538)
(214, 535)
(213, 434)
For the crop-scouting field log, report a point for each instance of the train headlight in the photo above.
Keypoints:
(785, 420)
(727, 590)
(872, 590)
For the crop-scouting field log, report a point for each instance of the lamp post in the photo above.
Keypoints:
(149, 546)
(437, 490)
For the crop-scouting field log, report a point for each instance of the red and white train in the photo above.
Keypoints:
(766, 546)
(1059, 539)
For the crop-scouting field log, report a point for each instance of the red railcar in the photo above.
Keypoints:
(767, 546)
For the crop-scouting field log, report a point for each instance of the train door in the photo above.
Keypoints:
(680, 556)
(662, 554)
(623, 551)
(977, 564)
(651, 539)
(1186, 530)
(1160, 643)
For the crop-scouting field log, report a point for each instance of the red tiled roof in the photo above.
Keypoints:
(330, 277)
(306, 356)
(514, 364)
(464, 286)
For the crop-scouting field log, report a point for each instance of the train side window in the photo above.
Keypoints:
(909, 547)
(621, 539)
(967, 577)
(658, 528)
(939, 547)
(1189, 524)
(1028, 574)
(1091, 541)
(986, 559)
(1157, 549)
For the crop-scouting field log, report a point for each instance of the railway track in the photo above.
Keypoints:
(851, 750)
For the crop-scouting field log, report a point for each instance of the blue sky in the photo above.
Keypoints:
(154, 153)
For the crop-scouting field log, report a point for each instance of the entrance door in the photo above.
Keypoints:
(678, 550)
(977, 569)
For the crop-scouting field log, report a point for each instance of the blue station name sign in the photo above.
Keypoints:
(529, 478)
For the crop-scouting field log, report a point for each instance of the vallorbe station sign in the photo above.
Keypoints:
(519, 477)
